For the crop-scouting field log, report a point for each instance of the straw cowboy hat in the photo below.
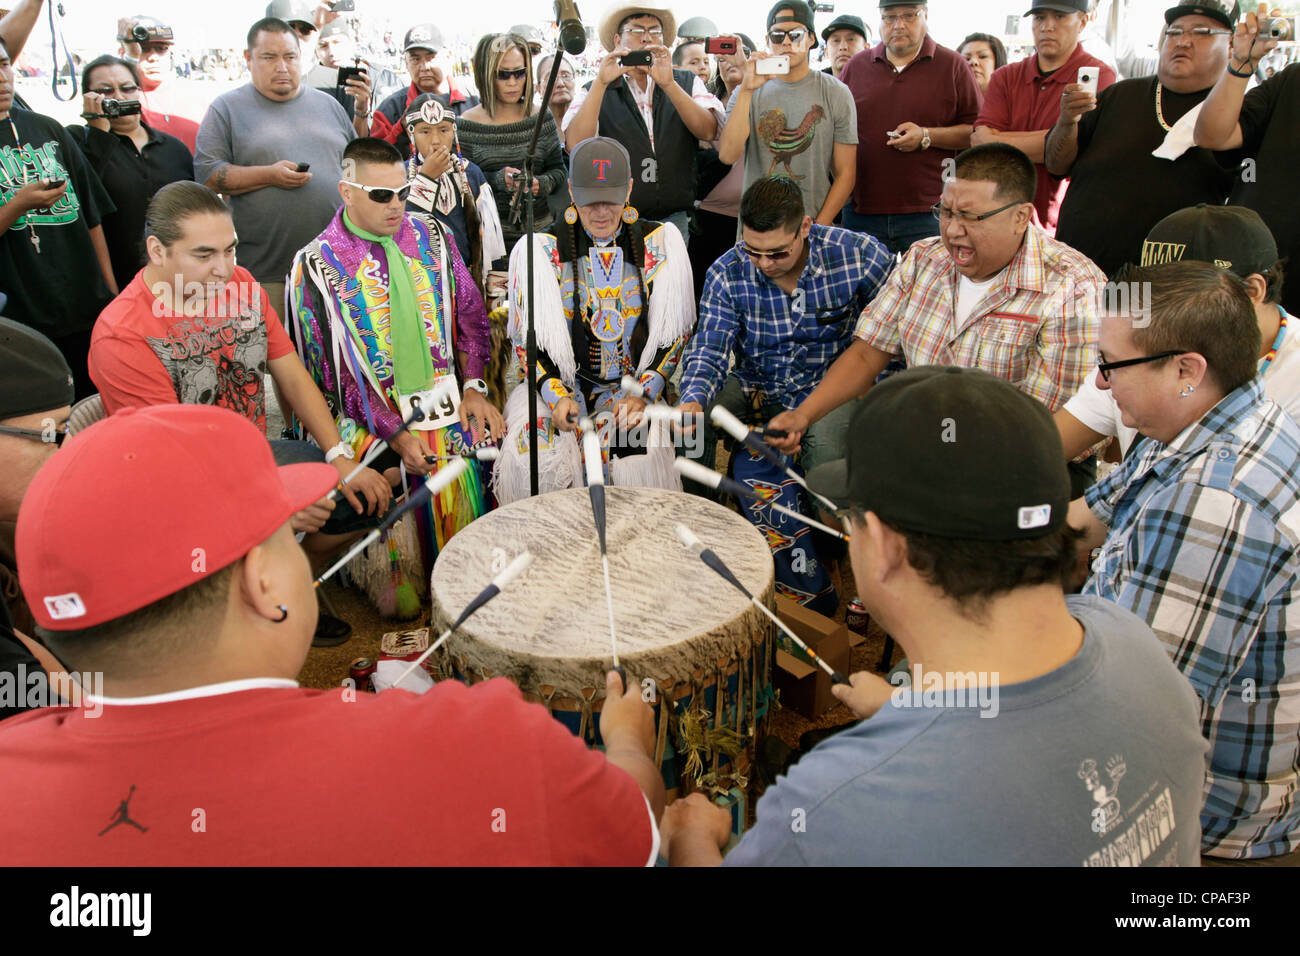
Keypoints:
(616, 15)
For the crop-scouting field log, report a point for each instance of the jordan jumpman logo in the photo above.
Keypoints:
(123, 814)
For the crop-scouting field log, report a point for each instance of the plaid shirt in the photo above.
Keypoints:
(783, 342)
(1036, 328)
(1202, 546)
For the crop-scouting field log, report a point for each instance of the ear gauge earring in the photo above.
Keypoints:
(630, 215)
(284, 614)
(571, 215)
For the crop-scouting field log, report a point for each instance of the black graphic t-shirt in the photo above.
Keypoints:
(48, 266)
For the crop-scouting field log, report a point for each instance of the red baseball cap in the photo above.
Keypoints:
(147, 502)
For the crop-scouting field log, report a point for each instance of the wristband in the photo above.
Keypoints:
(94, 116)
(1243, 76)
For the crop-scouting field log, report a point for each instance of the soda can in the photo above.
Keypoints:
(856, 617)
(360, 671)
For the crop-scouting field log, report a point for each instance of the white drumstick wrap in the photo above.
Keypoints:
(445, 475)
(488, 453)
(663, 413)
(591, 453)
(729, 423)
(687, 537)
(516, 567)
(632, 386)
(697, 472)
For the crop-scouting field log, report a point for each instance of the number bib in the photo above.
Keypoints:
(441, 404)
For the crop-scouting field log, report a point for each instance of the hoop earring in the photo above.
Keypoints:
(1187, 390)
(284, 614)
(571, 215)
(630, 215)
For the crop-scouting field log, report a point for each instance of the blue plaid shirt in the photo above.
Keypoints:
(783, 342)
(1202, 546)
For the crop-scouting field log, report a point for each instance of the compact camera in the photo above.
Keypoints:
(1279, 28)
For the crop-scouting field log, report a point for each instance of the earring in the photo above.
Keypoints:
(284, 614)
(571, 215)
(1187, 390)
(630, 215)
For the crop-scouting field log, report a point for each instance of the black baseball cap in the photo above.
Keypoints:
(34, 375)
(800, 12)
(599, 171)
(1231, 237)
(955, 453)
(846, 21)
(1060, 6)
(1214, 9)
(902, 3)
(423, 36)
(291, 12)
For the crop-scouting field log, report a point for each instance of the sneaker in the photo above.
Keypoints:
(330, 631)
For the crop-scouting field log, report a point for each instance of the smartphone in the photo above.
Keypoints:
(343, 6)
(636, 58)
(349, 73)
(726, 46)
(893, 135)
(1088, 79)
(773, 65)
(302, 167)
(54, 183)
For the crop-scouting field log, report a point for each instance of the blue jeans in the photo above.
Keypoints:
(682, 220)
(897, 232)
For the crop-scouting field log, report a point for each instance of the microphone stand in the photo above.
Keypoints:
(530, 163)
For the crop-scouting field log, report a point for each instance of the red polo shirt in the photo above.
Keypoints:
(1020, 99)
(936, 89)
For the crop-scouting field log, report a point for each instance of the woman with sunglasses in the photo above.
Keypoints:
(495, 135)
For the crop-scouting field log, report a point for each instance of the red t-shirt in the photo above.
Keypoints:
(296, 777)
(1021, 99)
(936, 89)
(186, 130)
(141, 353)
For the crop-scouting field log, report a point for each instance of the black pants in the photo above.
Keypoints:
(76, 349)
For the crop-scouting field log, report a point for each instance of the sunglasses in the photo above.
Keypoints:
(382, 194)
(1107, 367)
(505, 75)
(774, 256)
(60, 434)
(777, 37)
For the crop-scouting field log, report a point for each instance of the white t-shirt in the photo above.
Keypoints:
(969, 293)
(1097, 410)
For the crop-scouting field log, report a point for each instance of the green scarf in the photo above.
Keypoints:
(412, 364)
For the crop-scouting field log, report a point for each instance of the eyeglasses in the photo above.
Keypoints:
(777, 37)
(942, 212)
(382, 194)
(60, 433)
(1107, 367)
(890, 19)
(1173, 33)
(640, 33)
(507, 75)
(126, 90)
(774, 256)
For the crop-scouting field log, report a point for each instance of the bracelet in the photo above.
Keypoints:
(1243, 76)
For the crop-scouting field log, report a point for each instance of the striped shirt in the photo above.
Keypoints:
(1036, 325)
(1202, 546)
(783, 342)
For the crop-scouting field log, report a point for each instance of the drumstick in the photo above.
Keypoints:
(516, 567)
(377, 449)
(486, 453)
(710, 558)
(738, 430)
(596, 489)
(432, 485)
(711, 479)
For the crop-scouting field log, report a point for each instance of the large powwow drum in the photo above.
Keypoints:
(689, 638)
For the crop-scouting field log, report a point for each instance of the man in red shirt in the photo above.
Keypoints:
(916, 102)
(1023, 100)
(154, 39)
(192, 599)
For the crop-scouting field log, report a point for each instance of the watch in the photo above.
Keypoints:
(925, 138)
(478, 385)
(342, 449)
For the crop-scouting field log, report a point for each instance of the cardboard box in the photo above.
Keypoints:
(805, 687)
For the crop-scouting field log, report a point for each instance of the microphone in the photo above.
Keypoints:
(572, 35)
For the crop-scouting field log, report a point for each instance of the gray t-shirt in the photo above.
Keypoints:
(1100, 762)
(244, 128)
(793, 129)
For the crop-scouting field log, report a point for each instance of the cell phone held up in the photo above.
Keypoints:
(1087, 79)
(349, 73)
(302, 167)
(722, 46)
(773, 65)
(636, 58)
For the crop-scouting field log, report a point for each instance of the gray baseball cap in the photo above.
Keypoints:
(599, 171)
(422, 36)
